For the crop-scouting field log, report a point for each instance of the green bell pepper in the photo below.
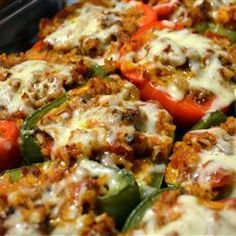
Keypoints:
(216, 29)
(146, 188)
(96, 70)
(14, 174)
(157, 179)
(30, 148)
(122, 194)
(210, 119)
(138, 213)
(221, 30)
(201, 27)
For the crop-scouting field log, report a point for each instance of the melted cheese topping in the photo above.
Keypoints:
(194, 219)
(57, 203)
(106, 120)
(176, 48)
(87, 24)
(114, 181)
(31, 83)
(221, 156)
(54, 197)
(102, 125)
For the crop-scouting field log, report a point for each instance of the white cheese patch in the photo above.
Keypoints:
(221, 156)
(31, 81)
(151, 112)
(73, 229)
(195, 219)
(54, 195)
(114, 181)
(18, 227)
(87, 24)
(211, 80)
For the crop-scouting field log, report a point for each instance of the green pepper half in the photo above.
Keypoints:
(30, 148)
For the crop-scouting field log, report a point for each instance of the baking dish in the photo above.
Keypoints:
(19, 21)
